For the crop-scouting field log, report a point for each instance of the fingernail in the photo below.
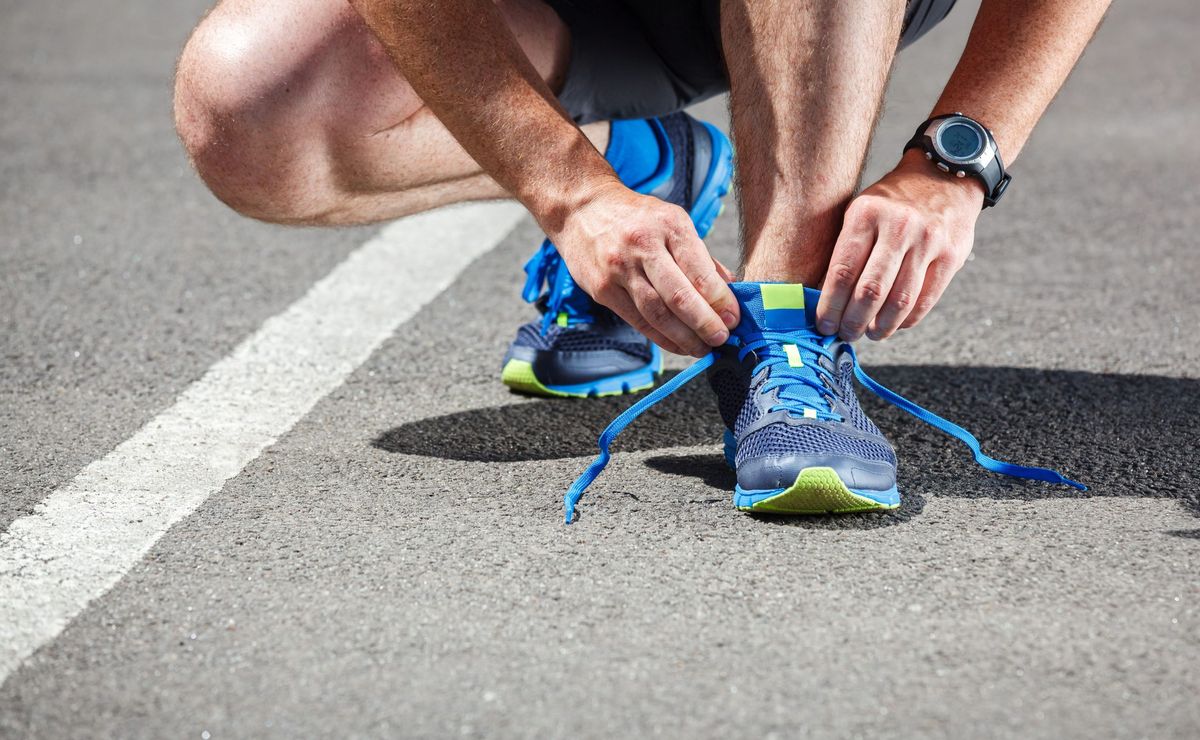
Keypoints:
(826, 327)
(729, 319)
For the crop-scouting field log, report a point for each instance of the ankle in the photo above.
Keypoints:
(761, 268)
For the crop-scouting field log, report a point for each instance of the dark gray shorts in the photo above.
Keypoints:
(632, 59)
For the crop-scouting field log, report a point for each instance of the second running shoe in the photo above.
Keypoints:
(578, 348)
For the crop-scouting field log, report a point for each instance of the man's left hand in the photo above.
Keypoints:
(901, 242)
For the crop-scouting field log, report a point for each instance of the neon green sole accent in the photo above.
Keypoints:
(518, 375)
(817, 491)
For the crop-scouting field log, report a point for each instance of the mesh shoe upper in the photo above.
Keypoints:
(606, 332)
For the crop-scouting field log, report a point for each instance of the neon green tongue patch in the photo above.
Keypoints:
(782, 295)
(783, 305)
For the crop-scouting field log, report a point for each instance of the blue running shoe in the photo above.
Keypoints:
(795, 433)
(579, 348)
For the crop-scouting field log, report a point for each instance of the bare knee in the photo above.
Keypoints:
(245, 111)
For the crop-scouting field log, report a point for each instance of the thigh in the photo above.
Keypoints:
(319, 56)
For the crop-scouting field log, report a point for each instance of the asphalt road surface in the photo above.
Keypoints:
(347, 527)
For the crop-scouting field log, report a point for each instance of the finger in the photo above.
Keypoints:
(686, 303)
(937, 278)
(725, 273)
(653, 308)
(622, 305)
(901, 298)
(699, 268)
(874, 284)
(850, 254)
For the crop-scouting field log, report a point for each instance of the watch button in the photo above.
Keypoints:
(961, 173)
(943, 166)
(928, 155)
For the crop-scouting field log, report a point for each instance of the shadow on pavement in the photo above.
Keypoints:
(1122, 435)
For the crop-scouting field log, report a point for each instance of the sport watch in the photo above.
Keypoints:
(962, 146)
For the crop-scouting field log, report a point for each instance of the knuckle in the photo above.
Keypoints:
(864, 206)
(906, 221)
(642, 241)
(705, 283)
(681, 298)
(902, 299)
(614, 258)
(842, 273)
(869, 290)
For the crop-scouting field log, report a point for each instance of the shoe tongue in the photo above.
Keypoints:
(775, 307)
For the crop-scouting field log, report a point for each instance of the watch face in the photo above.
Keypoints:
(960, 140)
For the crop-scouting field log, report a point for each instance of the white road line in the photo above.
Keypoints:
(87, 534)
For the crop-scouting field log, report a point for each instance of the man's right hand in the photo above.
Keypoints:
(642, 258)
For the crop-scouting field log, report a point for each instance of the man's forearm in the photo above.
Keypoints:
(1018, 56)
(807, 80)
(464, 63)
(905, 237)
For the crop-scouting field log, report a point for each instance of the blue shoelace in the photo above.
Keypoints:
(800, 389)
(563, 296)
(800, 386)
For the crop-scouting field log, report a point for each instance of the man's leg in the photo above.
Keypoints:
(806, 83)
(292, 112)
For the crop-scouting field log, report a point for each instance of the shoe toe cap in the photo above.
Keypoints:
(779, 471)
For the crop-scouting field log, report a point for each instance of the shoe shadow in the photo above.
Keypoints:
(1122, 435)
(554, 428)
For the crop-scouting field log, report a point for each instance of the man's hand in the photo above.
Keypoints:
(902, 241)
(642, 258)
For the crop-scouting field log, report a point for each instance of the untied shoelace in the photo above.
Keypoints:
(767, 348)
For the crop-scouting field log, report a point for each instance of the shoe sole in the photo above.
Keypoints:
(816, 491)
(520, 377)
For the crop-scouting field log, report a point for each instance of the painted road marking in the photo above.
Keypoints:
(87, 534)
